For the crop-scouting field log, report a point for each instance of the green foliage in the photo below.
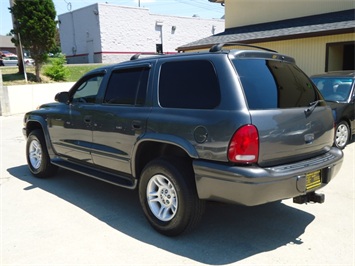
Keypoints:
(55, 50)
(35, 24)
(57, 71)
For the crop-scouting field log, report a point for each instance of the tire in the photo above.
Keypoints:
(168, 196)
(342, 134)
(37, 155)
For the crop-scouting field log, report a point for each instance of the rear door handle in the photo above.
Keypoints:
(87, 119)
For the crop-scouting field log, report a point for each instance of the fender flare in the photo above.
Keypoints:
(44, 127)
(166, 139)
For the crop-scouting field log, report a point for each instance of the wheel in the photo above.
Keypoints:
(168, 196)
(342, 134)
(37, 155)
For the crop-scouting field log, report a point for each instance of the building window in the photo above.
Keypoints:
(159, 48)
(340, 56)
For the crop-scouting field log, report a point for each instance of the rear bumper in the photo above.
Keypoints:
(252, 185)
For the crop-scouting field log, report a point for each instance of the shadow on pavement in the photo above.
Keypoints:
(227, 233)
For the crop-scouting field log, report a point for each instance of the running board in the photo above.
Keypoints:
(115, 179)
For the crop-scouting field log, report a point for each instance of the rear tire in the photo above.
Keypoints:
(37, 155)
(168, 196)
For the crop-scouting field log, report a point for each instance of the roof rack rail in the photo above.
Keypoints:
(218, 47)
(136, 56)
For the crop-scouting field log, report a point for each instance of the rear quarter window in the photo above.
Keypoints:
(273, 84)
(189, 84)
(127, 87)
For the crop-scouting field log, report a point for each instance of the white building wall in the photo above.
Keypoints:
(80, 34)
(114, 33)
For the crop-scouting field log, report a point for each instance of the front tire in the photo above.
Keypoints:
(342, 133)
(37, 155)
(168, 196)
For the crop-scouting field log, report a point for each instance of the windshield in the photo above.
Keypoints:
(334, 88)
(274, 84)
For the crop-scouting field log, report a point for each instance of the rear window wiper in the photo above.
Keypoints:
(311, 107)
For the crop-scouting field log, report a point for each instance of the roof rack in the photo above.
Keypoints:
(218, 47)
(136, 56)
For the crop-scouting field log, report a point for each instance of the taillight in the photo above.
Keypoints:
(244, 145)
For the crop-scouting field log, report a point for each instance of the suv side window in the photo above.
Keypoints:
(189, 84)
(127, 86)
(88, 89)
(273, 84)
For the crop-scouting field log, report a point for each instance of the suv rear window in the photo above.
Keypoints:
(189, 84)
(272, 84)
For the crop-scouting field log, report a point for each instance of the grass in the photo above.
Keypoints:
(77, 71)
(11, 76)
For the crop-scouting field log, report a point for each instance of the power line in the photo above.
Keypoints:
(69, 6)
(199, 4)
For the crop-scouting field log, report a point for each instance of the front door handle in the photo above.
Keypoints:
(136, 124)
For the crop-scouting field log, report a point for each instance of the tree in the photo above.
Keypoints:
(56, 50)
(36, 26)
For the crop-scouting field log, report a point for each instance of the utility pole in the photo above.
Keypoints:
(18, 47)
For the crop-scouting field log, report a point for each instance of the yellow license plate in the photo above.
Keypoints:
(313, 180)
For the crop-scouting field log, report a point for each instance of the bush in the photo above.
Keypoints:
(57, 71)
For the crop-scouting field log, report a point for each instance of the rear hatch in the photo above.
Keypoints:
(293, 121)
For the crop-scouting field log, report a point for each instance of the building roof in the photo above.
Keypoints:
(5, 42)
(310, 26)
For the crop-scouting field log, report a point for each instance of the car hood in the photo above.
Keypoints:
(336, 104)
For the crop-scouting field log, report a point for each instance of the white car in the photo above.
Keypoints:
(13, 61)
(10, 60)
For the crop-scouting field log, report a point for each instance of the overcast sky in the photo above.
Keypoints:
(188, 8)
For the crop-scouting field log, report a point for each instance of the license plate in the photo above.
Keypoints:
(313, 180)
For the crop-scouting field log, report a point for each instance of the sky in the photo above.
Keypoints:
(188, 8)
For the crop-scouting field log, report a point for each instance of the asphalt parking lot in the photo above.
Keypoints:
(71, 219)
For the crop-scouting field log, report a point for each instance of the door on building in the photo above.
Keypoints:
(340, 56)
(90, 49)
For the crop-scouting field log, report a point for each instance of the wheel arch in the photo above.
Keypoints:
(38, 122)
(348, 123)
(153, 146)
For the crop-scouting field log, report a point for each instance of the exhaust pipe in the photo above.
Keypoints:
(309, 197)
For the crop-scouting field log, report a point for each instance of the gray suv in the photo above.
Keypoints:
(238, 126)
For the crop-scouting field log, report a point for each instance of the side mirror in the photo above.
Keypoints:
(62, 97)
